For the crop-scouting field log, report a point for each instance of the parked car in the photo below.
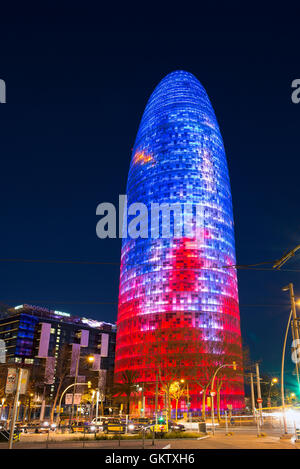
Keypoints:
(97, 424)
(113, 425)
(40, 427)
(175, 426)
(161, 426)
(137, 425)
(80, 427)
(3, 424)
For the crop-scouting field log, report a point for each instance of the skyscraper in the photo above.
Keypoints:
(178, 317)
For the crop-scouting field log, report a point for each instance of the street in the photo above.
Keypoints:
(243, 440)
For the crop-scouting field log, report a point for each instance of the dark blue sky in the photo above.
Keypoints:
(77, 84)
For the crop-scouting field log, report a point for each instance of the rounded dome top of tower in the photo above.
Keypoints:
(179, 95)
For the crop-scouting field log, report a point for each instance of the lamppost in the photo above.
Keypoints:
(90, 359)
(213, 393)
(75, 384)
(188, 403)
(273, 381)
(15, 409)
(279, 263)
(63, 393)
(295, 330)
(99, 393)
(2, 408)
(282, 375)
(295, 334)
(140, 389)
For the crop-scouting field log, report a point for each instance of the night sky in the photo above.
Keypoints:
(77, 84)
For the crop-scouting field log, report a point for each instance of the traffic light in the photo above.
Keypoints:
(234, 365)
(161, 419)
(89, 383)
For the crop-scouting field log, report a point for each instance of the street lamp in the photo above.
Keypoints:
(141, 390)
(213, 393)
(273, 381)
(2, 407)
(279, 263)
(295, 333)
(91, 359)
(188, 397)
(63, 393)
(295, 330)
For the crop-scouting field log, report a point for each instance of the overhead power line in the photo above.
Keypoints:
(114, 263)
(279, 305)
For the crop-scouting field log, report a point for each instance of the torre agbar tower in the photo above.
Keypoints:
(178, 317)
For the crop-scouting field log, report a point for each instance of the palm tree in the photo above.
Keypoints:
(127, 386)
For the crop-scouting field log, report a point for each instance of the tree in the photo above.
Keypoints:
(270, 389)
(219, 383)
(176, 391)
(8, 398)
(127, 386)
(34, 385)
(61, 375)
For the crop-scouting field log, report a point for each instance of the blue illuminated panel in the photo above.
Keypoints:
(177, 290)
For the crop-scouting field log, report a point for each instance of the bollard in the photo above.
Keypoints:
(153, 436)
(47, 441)
(257, 427)
(83, 444)
(143, 431)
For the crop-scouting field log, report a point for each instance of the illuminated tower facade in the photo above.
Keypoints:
(178, 317)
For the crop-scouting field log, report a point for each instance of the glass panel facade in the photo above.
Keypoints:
(176, 300)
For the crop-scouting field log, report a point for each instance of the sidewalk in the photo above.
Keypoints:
(220, 441)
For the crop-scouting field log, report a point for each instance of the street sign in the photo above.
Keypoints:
(2, 351)
(259, 400)
(77, 398)
(11, 382)
(69, 399)
(24, 381)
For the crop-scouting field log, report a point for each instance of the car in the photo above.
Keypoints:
(175, 426)
(113, 425)
(98, 420)
(97, 424)
(162, 426)
(80, 427)
(137, 425)
(41, 427)
(3, 424)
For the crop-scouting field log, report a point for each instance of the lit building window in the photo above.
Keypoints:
(176, 300)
